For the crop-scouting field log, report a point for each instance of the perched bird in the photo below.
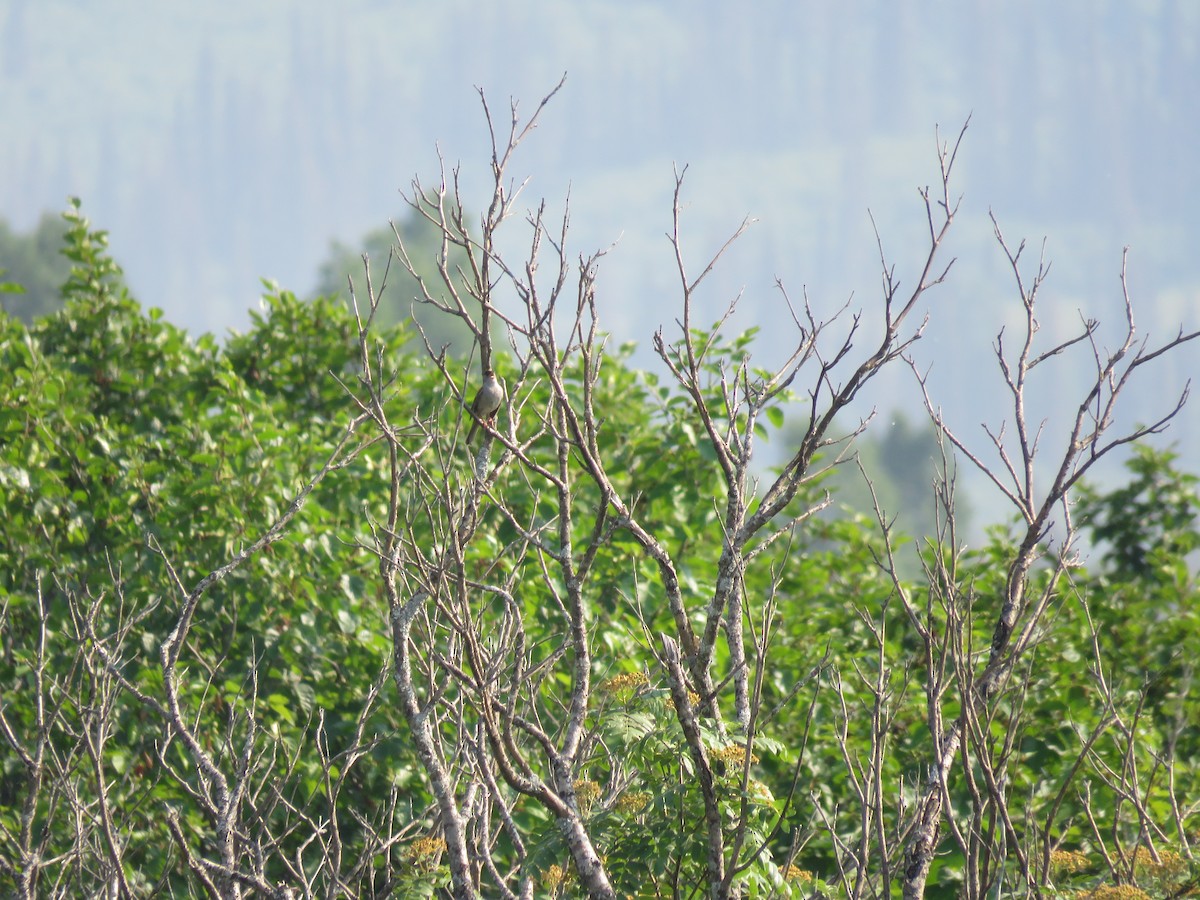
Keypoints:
(487, 402)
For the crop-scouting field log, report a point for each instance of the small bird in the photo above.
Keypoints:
(487, 402)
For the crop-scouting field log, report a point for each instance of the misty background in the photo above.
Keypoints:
(227, 142)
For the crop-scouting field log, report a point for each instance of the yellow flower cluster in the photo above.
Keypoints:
(792, 873)
(586, 793)
(425, 850)
(1170, 864)
(1068, 862)
(760, 791)
(1116, 892)
(693, 698)
(553, 877)
(731, 754)
(626, 681)
(632, 801)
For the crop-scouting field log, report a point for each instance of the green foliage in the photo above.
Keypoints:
(1146, 602)
(1147, 611)
(1146, 528)
(34, 266)
(133, 455)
